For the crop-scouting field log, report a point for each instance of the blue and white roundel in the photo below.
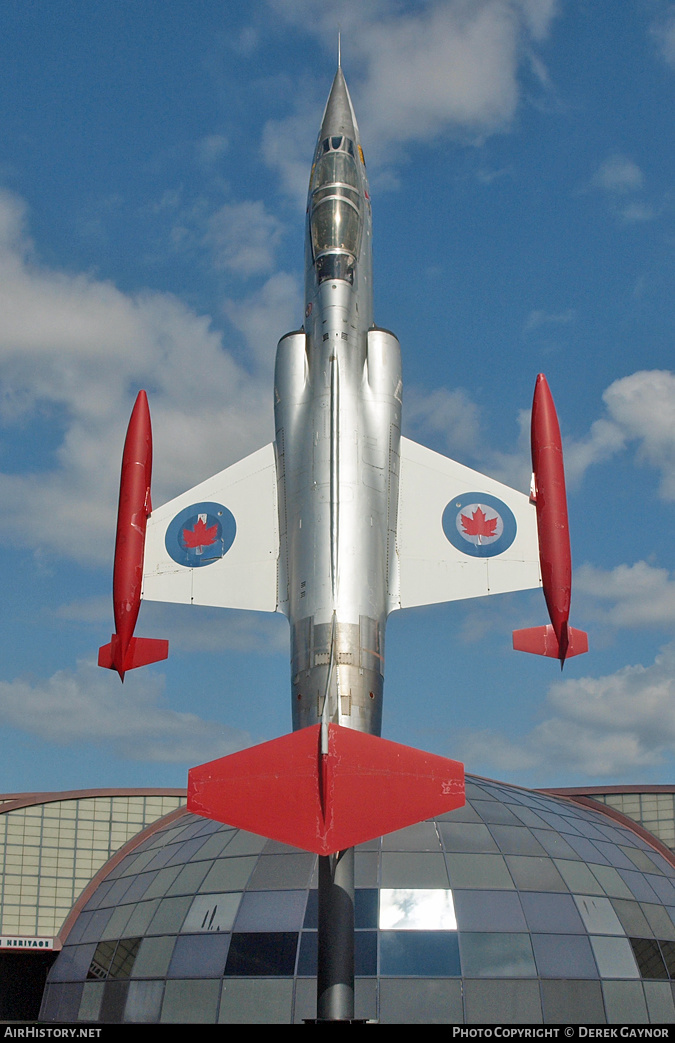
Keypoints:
(201, 534)
(479, 525)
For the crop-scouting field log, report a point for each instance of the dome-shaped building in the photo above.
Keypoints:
(519, 907)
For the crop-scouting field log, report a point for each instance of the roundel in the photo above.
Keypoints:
(479, 525)
(201, 534)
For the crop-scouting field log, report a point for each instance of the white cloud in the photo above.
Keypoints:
(543, 318)
(89, 705)
(440, 67)
(663, 32)
(640, 409)
(633, 213)
(618, 174)
(212, 148)
(266, 315)
(445, 413)
(628, 595)
(74, 350)
(243, 237)
(618, 725)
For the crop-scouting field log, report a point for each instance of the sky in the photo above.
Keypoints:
(154, 159)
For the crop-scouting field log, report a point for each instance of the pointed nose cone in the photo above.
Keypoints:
(339, 118)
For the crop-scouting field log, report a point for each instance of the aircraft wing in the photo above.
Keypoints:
(460, 534)
(218, 543)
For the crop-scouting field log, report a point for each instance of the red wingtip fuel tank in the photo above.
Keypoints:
(559, 640)
(126, 651)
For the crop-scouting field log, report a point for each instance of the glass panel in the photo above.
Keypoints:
(489, 911)
(403, 869)
(491, 811)
(472, 871)
(516, 840)
(256, 1002)
(229, 874)
(140, 918)
(365, 907)
(554, 843)
(632, 918)
(659, 1002)
(582, 997)
(162, 882)
(73, 963)
(283, 872)
(215, 845)
(417, 909)
(648, 957)
(143, 1002)
(138, 887)
(420, 1002)
(114, 1001)
(614, 958)
(90, 1004)
(611, 882)
(170, 915)
(659, 921)
(467, 837)
(212, 913)
(153, 957)
(548, 913)
(420, 837)
(638, 886)
(668, 950)
(271, 911)
(199, 956)
(189, 878)
(564, 956)
(663, 887)
(192, 1002)
(124, 958)
(624, 1002)
(243, 843)
(262, 955)
(535, 874)
(598, 915)
(639, 858)
(497, 955)
(428, 954)
(578, 877)
(365, 953)
(308, 954)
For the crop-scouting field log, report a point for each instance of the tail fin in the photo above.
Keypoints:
(290, 791)
(543, 641)
(140, 652)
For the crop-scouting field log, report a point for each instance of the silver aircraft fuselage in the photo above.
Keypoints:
(338, 428)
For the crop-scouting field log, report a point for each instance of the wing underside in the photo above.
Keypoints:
(460, 533)
(218, 543)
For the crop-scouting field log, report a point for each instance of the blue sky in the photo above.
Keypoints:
(153, 166)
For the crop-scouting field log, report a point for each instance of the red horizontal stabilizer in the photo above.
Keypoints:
(543, 641)
(362, 787)
(578, 642)
(140, 652)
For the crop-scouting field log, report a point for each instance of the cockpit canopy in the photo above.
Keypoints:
(336, 218)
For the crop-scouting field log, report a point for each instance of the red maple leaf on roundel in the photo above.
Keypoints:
(479, 525)
(201, 536)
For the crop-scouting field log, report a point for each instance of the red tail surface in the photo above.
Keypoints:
(543, 641)
(140, 652)
(290, 791)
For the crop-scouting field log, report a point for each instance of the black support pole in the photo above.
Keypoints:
(335, 976)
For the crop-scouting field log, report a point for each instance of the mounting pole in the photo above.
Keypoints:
(335, 975)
